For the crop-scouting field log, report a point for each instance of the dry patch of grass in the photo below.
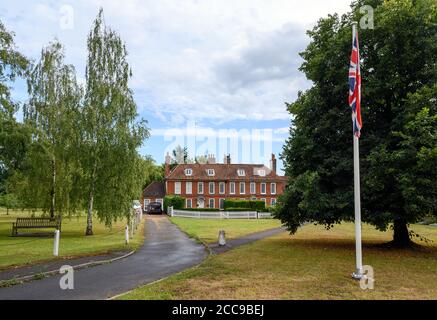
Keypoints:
(313, 264)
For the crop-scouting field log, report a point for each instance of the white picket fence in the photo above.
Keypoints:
(219, 214)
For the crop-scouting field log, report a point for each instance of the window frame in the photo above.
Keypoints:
(209, 203)
(222, 200)
(265, 188)
(198, 188)
(244, 187)
(213, 188)
(191, 203)
(144, 203)
(186, 187)
(271, 188)
(253, 184)
(234, 186)
(178, 187)
(220, 187)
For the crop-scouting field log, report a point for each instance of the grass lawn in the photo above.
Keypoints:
(24, 251)
(313, 264)
(207, 229)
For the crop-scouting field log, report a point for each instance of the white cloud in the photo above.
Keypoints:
(218, 60)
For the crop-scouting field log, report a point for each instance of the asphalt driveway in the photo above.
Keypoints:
(166, 251)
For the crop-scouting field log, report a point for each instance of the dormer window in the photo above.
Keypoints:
(262, 173)
(210, 172)
(188, 172)
(241, 173)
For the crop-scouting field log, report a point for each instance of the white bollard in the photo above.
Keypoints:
(56, 243)
(222, 238)
(132, 228)
(127, 234)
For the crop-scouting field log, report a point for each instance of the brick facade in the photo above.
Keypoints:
(226, 175)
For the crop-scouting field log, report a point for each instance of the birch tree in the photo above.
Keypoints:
(110, 133)
(51, 112)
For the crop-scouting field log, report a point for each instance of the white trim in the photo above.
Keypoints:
(253, 184)
(188, 190)
(262, 172)
(161, 201)
(239, 187)
(220, 188)
(232, 184)
(209, 203)
(271, 188)
(191, 203)
(213, 187)
(265, 188)
(189, 172)
(178, 188)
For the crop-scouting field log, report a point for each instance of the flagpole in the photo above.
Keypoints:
(358, 274)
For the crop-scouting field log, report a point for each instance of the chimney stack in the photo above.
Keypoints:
(167, 164)
(211, 159)
(227, 159)
(274, 164)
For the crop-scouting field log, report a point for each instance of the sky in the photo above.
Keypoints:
(204, 71)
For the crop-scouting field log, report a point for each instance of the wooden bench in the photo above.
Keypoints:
(35, 223)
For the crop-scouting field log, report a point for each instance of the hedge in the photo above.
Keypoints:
(176, 202)
(251, 205)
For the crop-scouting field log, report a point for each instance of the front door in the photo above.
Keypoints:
(201, 203)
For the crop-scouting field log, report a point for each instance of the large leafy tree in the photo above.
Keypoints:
(110, 133)
(149, 171)
(14, 136)
(52, 113)
(398, 145)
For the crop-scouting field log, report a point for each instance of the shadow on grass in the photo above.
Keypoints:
(349, 245)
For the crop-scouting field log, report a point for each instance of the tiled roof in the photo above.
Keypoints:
(155, 190)
(223, 172)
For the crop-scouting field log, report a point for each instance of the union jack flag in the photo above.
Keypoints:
(355, 86)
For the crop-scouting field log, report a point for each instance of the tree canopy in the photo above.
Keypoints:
(398, 144)
(110, 132)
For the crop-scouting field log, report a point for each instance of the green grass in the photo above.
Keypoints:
(25, 251)
(207, 229)
(313, 264)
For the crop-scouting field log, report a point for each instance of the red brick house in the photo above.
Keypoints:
(208, 185)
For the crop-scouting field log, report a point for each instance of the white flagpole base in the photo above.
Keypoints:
(357, 275)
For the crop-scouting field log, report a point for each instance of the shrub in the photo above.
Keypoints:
(239, 209)
(176, 202)
(251, 205)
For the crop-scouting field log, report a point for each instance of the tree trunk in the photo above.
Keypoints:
(7, 211)
(53, 192)
(89, 223)
(401, 237)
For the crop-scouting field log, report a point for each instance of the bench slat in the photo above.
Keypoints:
(35, 223)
